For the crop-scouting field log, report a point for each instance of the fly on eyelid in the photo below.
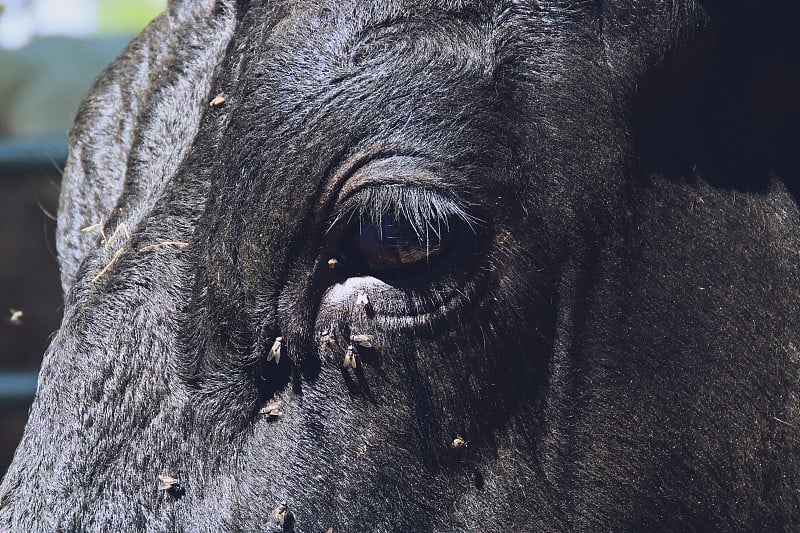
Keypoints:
(326, 340)
(365, 341)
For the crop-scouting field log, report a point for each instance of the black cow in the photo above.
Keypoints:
(453, 265)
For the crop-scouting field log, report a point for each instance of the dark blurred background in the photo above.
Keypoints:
(50, 53)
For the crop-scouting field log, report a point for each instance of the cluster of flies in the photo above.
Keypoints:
(328, 342)
(274, 409)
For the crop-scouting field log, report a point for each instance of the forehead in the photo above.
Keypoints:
(323, 47)
(301, 46)
(464, 84)
(357, 72)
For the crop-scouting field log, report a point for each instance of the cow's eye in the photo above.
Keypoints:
(395, 248)
(403, 235)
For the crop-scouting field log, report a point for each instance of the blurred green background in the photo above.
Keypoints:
(50, 53)
(51, 50)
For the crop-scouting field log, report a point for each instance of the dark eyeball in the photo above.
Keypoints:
(395, 248)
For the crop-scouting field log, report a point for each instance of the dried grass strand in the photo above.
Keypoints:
(164, 244)
(120, 227)
(108, 266)
(93, 227)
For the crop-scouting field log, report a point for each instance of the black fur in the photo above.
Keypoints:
(614, 336)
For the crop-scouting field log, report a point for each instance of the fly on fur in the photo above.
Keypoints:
(349, 357)
(275, 351)
(272, 409)
(326, 340)
(166, 482)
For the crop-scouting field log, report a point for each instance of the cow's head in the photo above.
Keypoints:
(392, 266)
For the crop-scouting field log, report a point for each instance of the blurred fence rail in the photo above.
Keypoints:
(31, 155)
(17, 387)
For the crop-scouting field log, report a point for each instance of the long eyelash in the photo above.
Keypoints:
(425, 210)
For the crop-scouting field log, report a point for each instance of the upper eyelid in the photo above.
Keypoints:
(418, 204)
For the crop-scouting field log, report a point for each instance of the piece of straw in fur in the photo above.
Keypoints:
(164, 244)
(106, 268)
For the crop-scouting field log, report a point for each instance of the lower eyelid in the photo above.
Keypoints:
(393, 307)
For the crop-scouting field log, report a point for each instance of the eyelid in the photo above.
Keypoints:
(396, 169)
(422, 207)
